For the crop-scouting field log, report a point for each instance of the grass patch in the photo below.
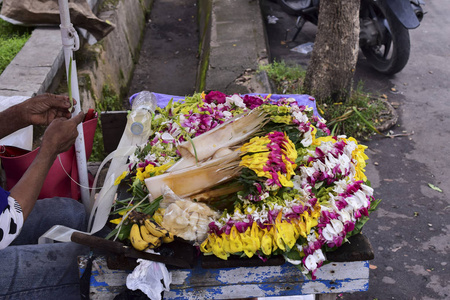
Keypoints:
(12, 39)
(358, 117)
(288, 79)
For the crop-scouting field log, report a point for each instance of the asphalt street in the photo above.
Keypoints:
(410, 232)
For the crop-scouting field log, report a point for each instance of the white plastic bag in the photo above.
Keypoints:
(22, 138)
(152, 278)
(304, 48)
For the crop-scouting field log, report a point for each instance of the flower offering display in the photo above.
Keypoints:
(248, 175)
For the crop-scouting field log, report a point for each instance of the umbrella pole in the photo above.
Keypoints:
(71, 43)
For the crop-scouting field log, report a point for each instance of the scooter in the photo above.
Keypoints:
(384, 28)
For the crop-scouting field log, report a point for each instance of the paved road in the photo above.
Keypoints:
(410, 233)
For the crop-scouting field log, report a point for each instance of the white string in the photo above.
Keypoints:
(80, 185)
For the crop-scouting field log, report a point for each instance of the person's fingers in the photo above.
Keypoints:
(78, 118)
(56, 101)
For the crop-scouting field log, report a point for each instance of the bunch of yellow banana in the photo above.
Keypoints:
(282, 235)
(141, 238)
(149, 235)
(158, 215)
(158, 231)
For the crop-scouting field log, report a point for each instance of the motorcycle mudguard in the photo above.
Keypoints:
(403, 11)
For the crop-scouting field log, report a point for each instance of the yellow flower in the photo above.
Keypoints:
(266, 242)
(119, 179)
(150, 170)
(284, 181)
(256, 144)
(217, 249)
(139, 174)
(115, 221)
(323, 139)
(235, 241)
(315, 142)
(206, 246)
(290, 150)
(360, 157)
(162, 169)
(226, 242)
(256, 162)
(247, 243)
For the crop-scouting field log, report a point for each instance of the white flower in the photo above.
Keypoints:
(367, 189)
(337, 225)
(329, 232)
(314, 259)
(291, 99)
(236, 100)
(299, 116)
(167, 137)
(227, 115)
(345, 216)
(307, 139)
(134, 159)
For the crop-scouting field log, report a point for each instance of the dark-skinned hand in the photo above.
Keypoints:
(43, 109)
(60, 135)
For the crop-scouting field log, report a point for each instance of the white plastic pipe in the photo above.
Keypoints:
(70, 42)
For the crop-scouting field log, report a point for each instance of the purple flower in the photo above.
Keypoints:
(299, 209)
(242, 226)
(349, 226)
(215, 96)
(252, 102)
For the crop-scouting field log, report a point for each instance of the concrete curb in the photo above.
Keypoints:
(29, 74)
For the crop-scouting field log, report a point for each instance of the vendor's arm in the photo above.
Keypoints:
(39, 110)
(59, 137)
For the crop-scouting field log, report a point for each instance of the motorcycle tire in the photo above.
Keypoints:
(293, 7)
(391, 55)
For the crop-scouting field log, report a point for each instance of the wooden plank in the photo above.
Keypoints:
(241, 282)
(285, 280)
(105, 283)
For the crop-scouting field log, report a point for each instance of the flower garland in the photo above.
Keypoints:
(303, 192)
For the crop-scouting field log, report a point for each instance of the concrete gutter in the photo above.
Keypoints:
(237, 47)
(234, 45)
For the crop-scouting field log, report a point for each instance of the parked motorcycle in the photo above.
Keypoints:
(384, 24)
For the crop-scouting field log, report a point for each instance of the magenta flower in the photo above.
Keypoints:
(252, 102)
(216, 97)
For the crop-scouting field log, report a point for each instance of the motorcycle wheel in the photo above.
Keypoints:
(293, 7)
(391, 54)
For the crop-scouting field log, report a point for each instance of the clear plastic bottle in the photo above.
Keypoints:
(142, 107)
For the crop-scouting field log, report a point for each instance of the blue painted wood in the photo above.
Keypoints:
(242, 282)
(285, 280)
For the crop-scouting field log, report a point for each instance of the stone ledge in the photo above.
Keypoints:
(33, 69)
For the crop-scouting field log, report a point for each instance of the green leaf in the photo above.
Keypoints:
(432, 186)
(367, 122)
(69, 83)
(193, 146)
(150, 210)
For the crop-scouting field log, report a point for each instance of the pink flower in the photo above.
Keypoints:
(252, 102)
(216, 97)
